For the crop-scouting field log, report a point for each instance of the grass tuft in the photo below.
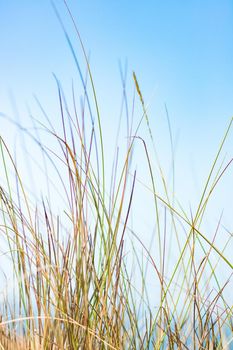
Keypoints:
(82, 273)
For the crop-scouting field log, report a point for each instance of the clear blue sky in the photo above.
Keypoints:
(184, 48)
(182, 52)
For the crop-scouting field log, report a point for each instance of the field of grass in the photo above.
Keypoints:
(82, 277)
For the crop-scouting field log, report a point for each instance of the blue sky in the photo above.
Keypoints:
(185, 49)
(181, 51)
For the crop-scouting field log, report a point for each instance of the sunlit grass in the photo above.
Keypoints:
(82, 279)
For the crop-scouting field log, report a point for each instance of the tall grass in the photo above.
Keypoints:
(81, 278)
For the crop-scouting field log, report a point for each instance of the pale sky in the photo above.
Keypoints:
(181, 51)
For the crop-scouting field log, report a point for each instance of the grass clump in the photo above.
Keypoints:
(81, 277)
